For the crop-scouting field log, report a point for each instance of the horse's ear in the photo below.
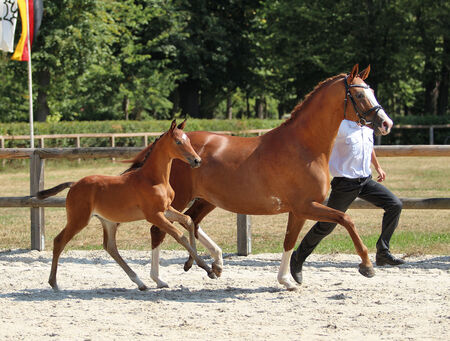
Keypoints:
(353, 74)
(173, 125)
(182, 124)
(365, 73)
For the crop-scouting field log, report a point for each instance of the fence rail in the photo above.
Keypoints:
(125, 152)
(37, 157)
(408, 203)
(113, 136)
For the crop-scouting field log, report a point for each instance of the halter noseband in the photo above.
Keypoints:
(362, 117)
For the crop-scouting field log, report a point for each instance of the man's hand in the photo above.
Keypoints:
(381, 174)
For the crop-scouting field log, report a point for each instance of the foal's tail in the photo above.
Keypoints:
(54, 190)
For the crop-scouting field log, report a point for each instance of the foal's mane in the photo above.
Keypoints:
(139, 160)
(298, 108)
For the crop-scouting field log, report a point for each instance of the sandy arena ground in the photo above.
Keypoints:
(97, 300)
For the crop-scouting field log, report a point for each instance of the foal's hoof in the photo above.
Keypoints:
(217, 269)
(366, 271)
(212, 275)
(53, 285)
(143, 288)
(188, 264)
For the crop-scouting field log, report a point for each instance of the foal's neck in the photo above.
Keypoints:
(158, 164)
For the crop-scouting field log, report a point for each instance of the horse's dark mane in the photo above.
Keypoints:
(298, 108)
(140, 159)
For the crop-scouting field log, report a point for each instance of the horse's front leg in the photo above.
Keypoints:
(109, 244)
(154, 271)
(294, 226)
(204, 239)
(174, 215)
(160, 220)
(214, 250)
(198, 211)
(157, 237)
(319, 212)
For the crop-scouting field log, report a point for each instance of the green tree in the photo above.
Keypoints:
(215, 55)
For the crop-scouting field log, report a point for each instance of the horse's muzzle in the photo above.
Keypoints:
(195, 163)
(382, 124)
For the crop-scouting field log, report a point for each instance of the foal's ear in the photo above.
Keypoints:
(353, 74)
(173, 125)
(182, 124)
(365, 73)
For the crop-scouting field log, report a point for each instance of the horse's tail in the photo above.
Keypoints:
(54, 190)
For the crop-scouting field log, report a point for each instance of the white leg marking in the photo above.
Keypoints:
(154, 271)
(214, 249)
(284, 276)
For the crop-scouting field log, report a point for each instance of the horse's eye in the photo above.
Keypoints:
(178, 142)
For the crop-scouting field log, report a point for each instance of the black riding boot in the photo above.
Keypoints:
(319, 231)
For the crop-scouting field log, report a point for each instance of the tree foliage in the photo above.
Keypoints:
(140, 59)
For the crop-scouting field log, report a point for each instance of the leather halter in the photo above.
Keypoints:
(362, 116)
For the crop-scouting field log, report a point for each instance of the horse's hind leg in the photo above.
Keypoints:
(72, 227)
(109, 244)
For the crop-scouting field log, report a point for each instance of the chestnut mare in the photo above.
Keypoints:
(285, 170)
(139, 193)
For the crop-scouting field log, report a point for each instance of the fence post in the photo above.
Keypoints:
(244, 236)
(2, 145)
(37, 213)
(431, 135)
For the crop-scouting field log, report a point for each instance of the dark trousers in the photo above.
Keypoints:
(343, 192)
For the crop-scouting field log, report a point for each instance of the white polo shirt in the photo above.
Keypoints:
(352, 151)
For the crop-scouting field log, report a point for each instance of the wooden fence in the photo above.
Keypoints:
(37, 157)
(145, 136)
(111, 136)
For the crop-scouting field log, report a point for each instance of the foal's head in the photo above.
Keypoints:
(180, 147)
(361, 104)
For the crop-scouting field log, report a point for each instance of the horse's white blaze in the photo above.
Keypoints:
(184, 136)
(384, 117)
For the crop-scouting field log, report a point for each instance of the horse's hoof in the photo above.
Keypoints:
(162, 285)
(217, 269)
(293, 288)
(187, 265)
(143, 288)
(367, 271)
(53, 285)
(212, 275)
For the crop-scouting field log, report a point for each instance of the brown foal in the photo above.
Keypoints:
(139, 193)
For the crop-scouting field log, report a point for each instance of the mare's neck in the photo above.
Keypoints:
(317, 124)
(158, 164)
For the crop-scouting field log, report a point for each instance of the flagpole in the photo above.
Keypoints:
(30, 82)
